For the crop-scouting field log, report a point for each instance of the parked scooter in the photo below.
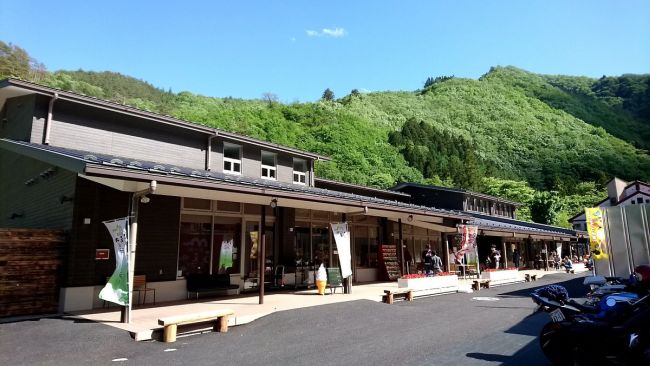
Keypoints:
(614, 331)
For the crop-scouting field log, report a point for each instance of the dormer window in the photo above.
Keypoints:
(299, 171)
(231, 158)
(269, 168)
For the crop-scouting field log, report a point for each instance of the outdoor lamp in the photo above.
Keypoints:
(274, 203)
(409, 218)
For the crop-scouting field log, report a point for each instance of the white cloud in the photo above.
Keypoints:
(328, 32)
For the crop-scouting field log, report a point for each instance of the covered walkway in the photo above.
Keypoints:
(246, 307)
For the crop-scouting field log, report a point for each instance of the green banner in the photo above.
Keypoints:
(117, 288)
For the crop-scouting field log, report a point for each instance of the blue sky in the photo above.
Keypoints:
(296, 49)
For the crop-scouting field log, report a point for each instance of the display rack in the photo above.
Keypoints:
(388, 261)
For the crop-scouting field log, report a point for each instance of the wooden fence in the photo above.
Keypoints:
(30, 271)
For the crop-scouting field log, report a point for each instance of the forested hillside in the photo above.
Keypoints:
(550, 142)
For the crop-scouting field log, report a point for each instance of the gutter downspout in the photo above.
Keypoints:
(208, 156)
(48, 121)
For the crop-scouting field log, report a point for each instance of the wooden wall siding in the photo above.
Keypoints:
(17, 117)
(30, 267)
(285, 168)
(96, 203)
(82, 128)
(157, 235)
(39, 203)
(158, 231)
(251, 162)
(216, 163)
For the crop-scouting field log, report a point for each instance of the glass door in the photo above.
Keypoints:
(302, 246)
(320, 235)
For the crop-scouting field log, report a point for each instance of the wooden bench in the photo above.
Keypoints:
(390, 295)
(478, 284)
(171, 323)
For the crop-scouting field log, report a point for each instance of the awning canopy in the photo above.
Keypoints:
(504, 227)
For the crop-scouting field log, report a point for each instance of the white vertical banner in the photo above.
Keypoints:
(117, 288)
(342, 241)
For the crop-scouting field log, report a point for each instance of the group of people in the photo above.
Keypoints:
(567, 262)
(432, 262)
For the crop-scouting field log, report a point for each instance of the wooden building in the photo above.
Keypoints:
(70, 162)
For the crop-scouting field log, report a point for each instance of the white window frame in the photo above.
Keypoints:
(232, 161)
(299, 174)
(269, 168)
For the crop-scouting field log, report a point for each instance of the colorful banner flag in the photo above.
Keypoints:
(342, 241)
(467, 242)
(254, 239)
(596, 230)
(117, 288)
(225, 255)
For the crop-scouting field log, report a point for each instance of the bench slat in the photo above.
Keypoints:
(195, 317)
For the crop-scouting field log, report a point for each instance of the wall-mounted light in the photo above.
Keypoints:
(145, 199)
(65, 198)
(274, 203)
(16, 215)
(409, 218)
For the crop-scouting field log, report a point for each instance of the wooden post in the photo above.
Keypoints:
(401, 243)
(262, 255)
(170, 333)
(223, 324)
(347, 282)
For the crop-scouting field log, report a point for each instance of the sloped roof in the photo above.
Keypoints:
(10, 87)
(511, 225)
(401, 186)
(85, 161)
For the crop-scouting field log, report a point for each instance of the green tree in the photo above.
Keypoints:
(14, 61)
(545, 208)
(328, 95)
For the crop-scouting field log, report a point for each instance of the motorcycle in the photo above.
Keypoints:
(612, 331)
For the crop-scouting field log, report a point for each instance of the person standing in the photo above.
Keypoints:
(427, 260)
(436, 263)
(516, 257)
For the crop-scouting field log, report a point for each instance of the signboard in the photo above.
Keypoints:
(596, 230)
(117, 288)
(467, 241)
(342, 241)
(102, 254)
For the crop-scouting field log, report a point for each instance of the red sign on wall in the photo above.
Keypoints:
(102, 254)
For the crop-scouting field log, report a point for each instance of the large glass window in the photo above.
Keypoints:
(299, 171)
(365, 246)
(197, 204)
(253, 244)
(194, 248)
(269, 169)
(231, 158)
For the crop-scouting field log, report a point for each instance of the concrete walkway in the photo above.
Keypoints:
(144, 323)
